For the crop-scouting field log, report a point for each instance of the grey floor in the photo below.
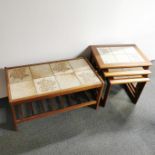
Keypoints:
(120, 128)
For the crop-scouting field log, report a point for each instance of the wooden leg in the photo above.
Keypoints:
(129, 90)
(134, 92)
(106, 94)
(139, 89)
(13, 117)
(99, 95)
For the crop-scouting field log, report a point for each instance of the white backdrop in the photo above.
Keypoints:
(42, 30)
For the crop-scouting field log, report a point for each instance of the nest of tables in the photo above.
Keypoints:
(122, 64)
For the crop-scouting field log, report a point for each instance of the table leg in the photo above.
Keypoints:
(13, 117)
(99, 95)
(106, 94)
(139, 89)
(130, 90)
(134, 92)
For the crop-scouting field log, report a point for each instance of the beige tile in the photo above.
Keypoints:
(40, 71)
(67, 81)
(79, 65)
(19, 74)
(87, 77)
(117, 50)
(44, 85)
(109, 58)
(103, 51)
(120, 55)
(61, 68)
(22, 89)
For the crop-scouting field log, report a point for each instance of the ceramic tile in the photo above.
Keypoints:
(117, 50)
(87, 77)
(61, 68)
(19, 74)
(103, 51)
(22, 89)
(67, 81)
(109, 58)
(120, 55)
(47, 84)
(40, 71)
(79, 65)
(121, 58)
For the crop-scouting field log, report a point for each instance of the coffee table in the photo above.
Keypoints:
(123, 64)
(39, 90)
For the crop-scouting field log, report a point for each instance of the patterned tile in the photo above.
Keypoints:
(87, 77)
(120, 55)
(22, 89)
(67, 81)
(19, 74)
(40, 71)
(61, 68)
(79, 65)
(44, 85)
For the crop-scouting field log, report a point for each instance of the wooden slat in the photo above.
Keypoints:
(127, 73)
(20, 111)
(68, 100)
(123, 81)
(127, 77)
(30, 106)
(132, 87)
(56, 111)
(132, 91)
(42, 106)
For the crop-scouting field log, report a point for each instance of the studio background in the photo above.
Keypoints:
(34, 31)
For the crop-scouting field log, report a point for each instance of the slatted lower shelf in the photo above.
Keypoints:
(38, 109)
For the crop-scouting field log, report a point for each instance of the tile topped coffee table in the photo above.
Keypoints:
(122, 64)
(34, 82)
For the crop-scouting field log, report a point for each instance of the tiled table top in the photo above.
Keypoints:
(47, 78)
(114, 56)
(119, 55)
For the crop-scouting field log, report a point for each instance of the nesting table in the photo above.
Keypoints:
(43, 89)
(122, 64)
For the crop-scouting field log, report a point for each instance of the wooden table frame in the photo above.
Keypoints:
(18, 102)
(132, 91)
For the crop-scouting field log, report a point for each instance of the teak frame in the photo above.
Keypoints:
(132, 91)
(13, 103)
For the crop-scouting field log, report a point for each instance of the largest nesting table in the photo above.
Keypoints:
(44, 89)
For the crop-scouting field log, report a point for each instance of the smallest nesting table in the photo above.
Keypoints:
(44, 89)
(122, 64)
